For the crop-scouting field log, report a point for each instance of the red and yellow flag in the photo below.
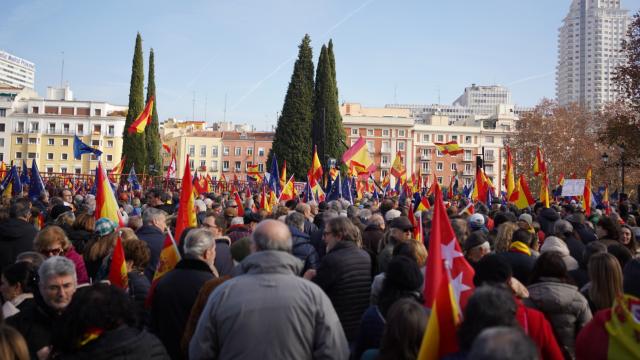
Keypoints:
(538, 166)
(449, 148)
(253, 171)
(106, 204)
(288, 191)
(522, 197)
(166, 148)
(509, 181)
(186, 207)
(141, 122)
(283, 174)
(238, 201)
(169, 257)
(398, 170)
(118, 275)
(586, 197)
(316, 165)
(359, 153)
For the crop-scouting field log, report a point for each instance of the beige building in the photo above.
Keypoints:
(203, 147)
(44, 129)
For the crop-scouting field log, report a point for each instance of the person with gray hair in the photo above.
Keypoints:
(269, 292)
(301, 242)
(152, 232)
(178, 289)
(57, 284)
(503, 343)
(309, 226)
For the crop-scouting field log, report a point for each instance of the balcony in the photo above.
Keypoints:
(424, 158)
(385, 165)
(467, 158)
(489, 158)
(468, 173)
(385, 151)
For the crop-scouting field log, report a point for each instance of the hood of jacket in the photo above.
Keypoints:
(553, 296)
(553, 243)
(271, 262)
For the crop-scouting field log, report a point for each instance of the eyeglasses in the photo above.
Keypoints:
(325, 233)
(52, 252)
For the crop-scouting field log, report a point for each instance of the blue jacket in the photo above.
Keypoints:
(154, 239)
(304, 250)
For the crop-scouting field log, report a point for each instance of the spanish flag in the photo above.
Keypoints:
(169, 257)
(450, 148)
(118, 269)
(316, 165)
(264, 200)
(288, 191)
(283, 174)
(358, 152)
(106, 204)
(166, 148)
(586, 197)
(117, 170)
(397, 168)
(186, 208)
(522, 197)
(509, 180)
(238, 201)
(538, 165)
(253, 172)
(141, 122)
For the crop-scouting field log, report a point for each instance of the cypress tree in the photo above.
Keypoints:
(133, 145)
(292, 140)
(327, 121)
(152, 133)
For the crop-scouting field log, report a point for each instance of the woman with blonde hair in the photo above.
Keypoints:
(503, 238)
(53, 241)
(605, 286)
(12, 344)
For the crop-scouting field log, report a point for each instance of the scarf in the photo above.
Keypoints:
(520, 247)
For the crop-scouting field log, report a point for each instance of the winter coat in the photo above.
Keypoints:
(303, 250)
(522, 264)
(538, 328)
(601, 339)
(558, 245)
(224, 261)
(267, 313)
(547, 218)
(35, 323)
(122, 343)
(564, 306)
(155, 240)
(309, 227)
(173, 298)
(16, 236)
(345, 275)
(237, 232)
(576, 247)
(139, 287)
(371, 330)
(78, 261)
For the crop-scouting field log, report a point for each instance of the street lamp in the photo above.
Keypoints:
(605, 160)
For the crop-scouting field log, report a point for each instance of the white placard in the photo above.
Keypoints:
(573, 187)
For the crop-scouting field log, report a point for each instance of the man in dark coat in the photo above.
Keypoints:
(216, 226)
(302, 248)
(177, 291)
(154, 224)
(16, 233)
(519, 256)
(344, 274)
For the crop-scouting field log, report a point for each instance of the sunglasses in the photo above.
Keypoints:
(52, 252)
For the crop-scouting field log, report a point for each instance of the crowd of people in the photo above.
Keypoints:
(327, 280)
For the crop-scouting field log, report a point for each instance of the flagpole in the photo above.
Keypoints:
(173, 242)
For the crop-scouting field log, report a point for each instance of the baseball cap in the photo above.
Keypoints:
(476, 220)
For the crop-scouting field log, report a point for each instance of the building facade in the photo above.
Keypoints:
(589, 43)
(16, 72)
(44, 129)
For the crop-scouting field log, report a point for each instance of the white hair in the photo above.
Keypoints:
(197, 242)
(57, 266)
(238, 220)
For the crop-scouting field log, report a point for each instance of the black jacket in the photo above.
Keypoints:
(345, 276)
(173, 298)
(521, 264)
(35, 323)
(16, 236)
(154, 239)
(576, 247)
(122, 343)
(224, 261)
(139, 287)
(303, 250)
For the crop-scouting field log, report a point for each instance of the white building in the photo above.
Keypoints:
(589, 43)
(15, 71)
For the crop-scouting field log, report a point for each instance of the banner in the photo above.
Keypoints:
(573, 187)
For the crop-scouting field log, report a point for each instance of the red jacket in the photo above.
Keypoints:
(593, 339)
(539, 330)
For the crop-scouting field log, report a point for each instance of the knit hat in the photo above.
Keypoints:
(526, 218)
(552, 243)
(105, 226)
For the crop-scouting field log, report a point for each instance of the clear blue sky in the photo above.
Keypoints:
(409, 51)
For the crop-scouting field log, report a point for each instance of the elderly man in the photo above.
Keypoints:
(250, 307)
(154, 224)
(57, 285)
(176, 291)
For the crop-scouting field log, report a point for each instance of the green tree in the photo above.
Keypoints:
(152, 133)
(292, 140)
(133, 145)
(328, 133)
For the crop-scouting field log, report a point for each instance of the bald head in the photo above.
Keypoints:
(271, 235)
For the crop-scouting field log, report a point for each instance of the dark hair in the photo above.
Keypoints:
(492, 269)
(631, 274)
(19, 209)
(488, 306)
(608, 225)
(502, 343)
(633, 245)
(621, 253)
(549, 264)
(23, 273)
(403, 279)
(521, 235)
(403, 332)
(110, 308)
(405, 248)
(592, 248)
(137, 251)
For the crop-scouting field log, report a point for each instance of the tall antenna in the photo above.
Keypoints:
(193, 111)
(62, 71)
(224, 116)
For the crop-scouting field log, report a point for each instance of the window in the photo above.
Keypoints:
(214, 151)
(440, 137)
(203, 150)
(49, 156)
(49, 170)
(225, 150)
(65, 142)
(93, 157)
(35, 109)
(401, 133)
(249, 151)
(80, 129)
(260, 151)
(238, 166)
(426, 152)
(63, 170)
(467, 139)
(385, 160)
(203, 164)
(488, 168)
(225, 166)
(425, 137)
(385, 132)
(1, 127)
(1, 142)
(192, 150)
(109, 158)
(214, 165)
(385, 147)
(19, 155)
(454, 167)
(439, 166)
(64, 156)
(111, 130)
(20, 127)
(191, 165)
(261, 167)
(467, 169)
(18, 140)
(370, 146)
(439, 153)
(454, 138)
(488, 139)
(31, 155)
(488, 155)
(426, 166)
(33, 141)
(78, 171)
(401, 145)
(237, 151)
(354, 132)
(95, 143)
(369, 132)
(467, 155)
(439, 180)
(97, 112)
(34, 127)
(109, 143)
(51, 142)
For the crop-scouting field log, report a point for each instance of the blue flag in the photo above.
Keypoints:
(80, 148)
(335, 192)
(24, 177)
(347, 191)
(274, 176)
(133, 179)
(12, 178)
(37, 185)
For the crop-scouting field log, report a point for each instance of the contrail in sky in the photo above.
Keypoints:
(277, 69)
(532, 77)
